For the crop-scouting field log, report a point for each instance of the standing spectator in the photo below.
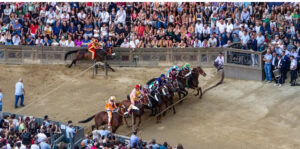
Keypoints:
(260, 41)
(245, 40)
(16, 40)
(293, 69)
(70, 131)
(267, 59)
(19, 93)
(134, 140)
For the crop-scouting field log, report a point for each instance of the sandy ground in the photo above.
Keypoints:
(236, 114)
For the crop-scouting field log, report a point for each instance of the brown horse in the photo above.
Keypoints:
(192, 81)
(136, 113)
(84, 54)
(101, 118)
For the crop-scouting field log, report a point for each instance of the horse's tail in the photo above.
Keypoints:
(151, 81)
(70, 52)
(220, 82)
(87, 120)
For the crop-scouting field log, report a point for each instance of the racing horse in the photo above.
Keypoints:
(84, 54)
(136, 113)
(192, 81)
(101, 118)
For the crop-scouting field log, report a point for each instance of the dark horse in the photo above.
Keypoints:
(136, 113)
(101, 118)
(192, 81)
(84, 54)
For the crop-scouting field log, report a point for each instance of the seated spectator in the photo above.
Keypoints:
(197, 43)
(38, 41)
(16, 28)
(235, 38)
(57, 29)
(96, 32)
(16, 40)
(70, 42)
(33, 29)
(48, 30)
(78, 41)
(79, 31)
(212, 41)
(30, 41)
(46, 42)
(125, 44)
(260, 41)
(63, 42)
(55, 41)
(85, 42)
(245, 40)
(88, 29)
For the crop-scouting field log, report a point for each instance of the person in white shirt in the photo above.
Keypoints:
(198, 27)
(70, 42)
(245, 40)
(70, 131)
(125, 44)
(63, 42)
(41, 137)
(19, 92)
(121, 16)
(16, 40)
(221, 27)
(197, 43)
(212, 41)
(229, 27)
(104, 16)
(81, 16)
(50, 16)
(219, 62)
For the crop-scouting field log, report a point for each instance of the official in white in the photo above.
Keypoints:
(219, 62)
(19, 93)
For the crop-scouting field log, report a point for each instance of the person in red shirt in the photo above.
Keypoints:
(33, 29)
(141, 29)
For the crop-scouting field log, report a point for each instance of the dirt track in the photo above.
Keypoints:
(237, 114)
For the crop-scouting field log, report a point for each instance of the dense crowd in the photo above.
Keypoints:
(104, 139)
(150, 24)
(25, 132)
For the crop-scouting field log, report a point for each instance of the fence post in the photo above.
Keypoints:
(71, 141)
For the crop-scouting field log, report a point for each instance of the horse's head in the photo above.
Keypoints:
(121, 108)
(198, 70)
(165, 91)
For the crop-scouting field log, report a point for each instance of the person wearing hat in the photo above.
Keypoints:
(293, 68)
(134, 97)
(93, 46)
(110, 107)
(187, 68)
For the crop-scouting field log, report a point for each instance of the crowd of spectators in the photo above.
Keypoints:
(104, 139)
(25, 132)
(151, 24)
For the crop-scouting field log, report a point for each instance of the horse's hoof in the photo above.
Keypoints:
(174, 112)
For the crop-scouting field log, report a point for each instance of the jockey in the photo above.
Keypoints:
(93, 46)
(173, 77)
(187, 68)
(168, 73)
(161, 80)
(110, 107)
(134, 97)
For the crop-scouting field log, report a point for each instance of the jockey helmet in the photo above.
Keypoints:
(175, 67)
(162, 75)
(187, 65)
(137, 86)
(94, 40)
(112, 98)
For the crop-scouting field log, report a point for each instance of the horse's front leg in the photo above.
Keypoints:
(108, 66)
(200, 92)
(73, 62)
(140, 120)
(126, 122)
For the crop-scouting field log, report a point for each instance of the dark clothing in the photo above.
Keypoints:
(253, 44)
(293, 77)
